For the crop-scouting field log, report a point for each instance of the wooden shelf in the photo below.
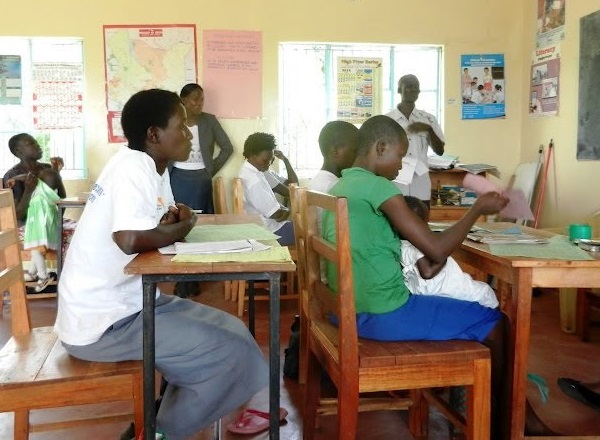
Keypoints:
(452, 177)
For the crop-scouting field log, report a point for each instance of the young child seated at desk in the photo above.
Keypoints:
(445, 278)
(42, 231)
(260, 185)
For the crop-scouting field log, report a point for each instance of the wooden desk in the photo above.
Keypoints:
(155, 267)
(452, 177)
(69, 202)
(516, 277)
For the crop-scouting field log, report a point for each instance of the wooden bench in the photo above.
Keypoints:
(37, 372)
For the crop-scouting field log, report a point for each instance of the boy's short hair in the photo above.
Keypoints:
(335, 133)
(378, 128)
(13, 142)
(145, 109)
(189, 88)
(257, 142)
(417, 206)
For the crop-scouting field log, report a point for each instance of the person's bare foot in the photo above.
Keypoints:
(534, 426)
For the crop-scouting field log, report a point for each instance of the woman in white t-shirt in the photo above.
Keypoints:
(260, 185)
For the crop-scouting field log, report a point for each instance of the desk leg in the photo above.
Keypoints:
(148, 363)
(251, 309)
(274, 361)
(520, 317)
(59, 253)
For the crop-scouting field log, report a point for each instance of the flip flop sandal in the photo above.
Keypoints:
(252, 421)
(578, 391)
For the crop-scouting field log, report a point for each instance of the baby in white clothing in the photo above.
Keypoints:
(449, 281)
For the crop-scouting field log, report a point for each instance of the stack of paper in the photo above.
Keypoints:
(477, 168)
(490, 238)
(214, 247)
(443, 162)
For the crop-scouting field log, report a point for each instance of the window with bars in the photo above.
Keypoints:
(308, 90)
(41, 93)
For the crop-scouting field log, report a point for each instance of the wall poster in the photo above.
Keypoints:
(11, 82)
(550, 22)
(232, 73)
(358, 88)
(140, 57)
(482, 86)
(544, 91)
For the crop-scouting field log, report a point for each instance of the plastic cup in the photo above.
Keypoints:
(578, 231)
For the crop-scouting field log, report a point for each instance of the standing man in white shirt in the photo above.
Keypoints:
(423, 132)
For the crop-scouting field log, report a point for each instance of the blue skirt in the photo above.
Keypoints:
(193, 188)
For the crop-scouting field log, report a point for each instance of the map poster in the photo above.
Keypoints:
(482, 86)
(544, 91)
(140, 57)
(358, 88)
(11, 84)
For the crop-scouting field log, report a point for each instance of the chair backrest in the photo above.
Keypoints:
(11, 269)
(238, 196)
(297, 201)
(322, 300)
(219, 198)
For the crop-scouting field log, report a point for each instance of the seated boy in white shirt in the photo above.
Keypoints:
(259, 190)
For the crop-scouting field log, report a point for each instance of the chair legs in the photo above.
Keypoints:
(312, 393)
(21, 425)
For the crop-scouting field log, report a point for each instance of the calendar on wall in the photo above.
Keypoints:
(358, 88)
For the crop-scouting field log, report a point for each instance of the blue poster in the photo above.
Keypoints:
(482, 86)
(11, 85)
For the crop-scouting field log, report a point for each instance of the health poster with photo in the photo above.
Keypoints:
(482, 86)
(358, 88)
(544, 91)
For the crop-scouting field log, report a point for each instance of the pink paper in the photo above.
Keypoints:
(517, 207)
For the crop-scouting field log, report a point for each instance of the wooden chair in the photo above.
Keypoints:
(239, 294)
(220, 205)
(587, 299)
(219, 198)
(357, 365)
(37, 372)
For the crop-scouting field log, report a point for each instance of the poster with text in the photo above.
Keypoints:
(140, 57)
(232, 73)
(358, 88)
(57, 96)
(550, 22)
(11, 83)
(482, 86)
(544, 91)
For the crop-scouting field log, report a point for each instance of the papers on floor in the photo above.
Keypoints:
(499, 238)
(517, 208)
(214, 247)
